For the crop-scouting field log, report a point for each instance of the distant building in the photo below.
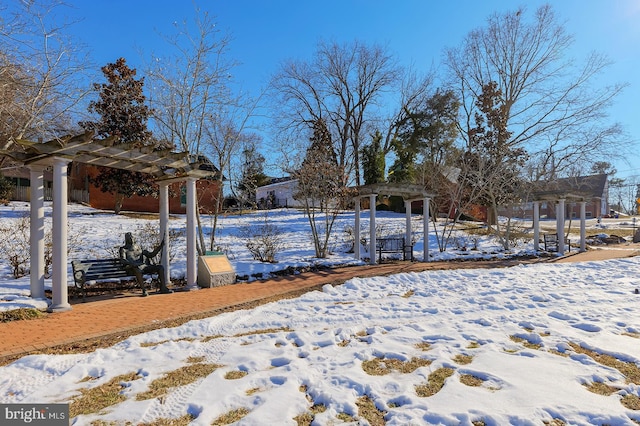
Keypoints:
(592, 189)
(278, 193)
(207, 190)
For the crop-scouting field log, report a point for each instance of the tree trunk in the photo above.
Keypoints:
(119, 200)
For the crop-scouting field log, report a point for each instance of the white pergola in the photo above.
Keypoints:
(409, 193)
(166, 167)
(560, 198)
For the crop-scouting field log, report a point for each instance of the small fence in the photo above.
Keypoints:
(23, 193)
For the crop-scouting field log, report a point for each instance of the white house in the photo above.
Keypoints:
(278, 194)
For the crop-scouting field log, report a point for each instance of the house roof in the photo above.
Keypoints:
(572, 188)
(162, 164)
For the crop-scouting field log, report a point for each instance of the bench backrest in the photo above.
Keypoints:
(391, 244)
(100, 269)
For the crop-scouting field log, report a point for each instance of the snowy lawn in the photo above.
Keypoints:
(528, 345)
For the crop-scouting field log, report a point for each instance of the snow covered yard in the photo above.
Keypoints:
(533, 344)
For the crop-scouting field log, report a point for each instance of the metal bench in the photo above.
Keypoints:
(551, 243)
(95, 270)
(394, 245)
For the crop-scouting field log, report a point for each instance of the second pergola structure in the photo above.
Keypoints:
(165, 166)
(561, 200)
(409, 194)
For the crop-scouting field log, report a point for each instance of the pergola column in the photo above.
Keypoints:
(560, 225)
(407, 230)
(583, 226)
(372, 228)
(36, 229)
(426, 215)
(356, 231)
(164, 228)
(536, 226)
(60, 291)
(192, 259)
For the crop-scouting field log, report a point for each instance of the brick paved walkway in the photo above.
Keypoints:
(115, 318)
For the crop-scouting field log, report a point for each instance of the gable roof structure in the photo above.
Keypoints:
(578, 188)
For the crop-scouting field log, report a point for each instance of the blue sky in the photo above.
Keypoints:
(266, 32)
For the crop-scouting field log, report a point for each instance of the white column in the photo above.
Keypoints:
(372, 228)
(36, 238)
(164, 229)
(426, 215)
(407, 228)
(536, 226)
(583, 226)
(60, 291)
(192, 257)
(356, 231)
(560, 227)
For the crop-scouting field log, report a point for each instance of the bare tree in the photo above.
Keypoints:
(341, 86)
(42, 72)
(553, 107)
(192, 98)
(321, 187)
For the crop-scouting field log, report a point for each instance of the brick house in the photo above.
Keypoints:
(208, 192)
(593, 189)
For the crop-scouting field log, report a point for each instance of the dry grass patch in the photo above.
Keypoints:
(435, 382)
(176, 378)
(96, 399)
(235, 374)
(20, 314)
(473, 345)
(345, 418)
(525, 342)
(629, 369)
(150, 344)
(382, 366)
(368, 410)
(462, 359)
(554, 422)
(251, 391)
(343, 343)
(212, 337)
(601, 388)
(304, 419)
(195, 359)
(231, 417)
(632, 402)
(408, 294)
(632, 334)
(423, 346)
(263, 331)
(180, 421)
(471, 380)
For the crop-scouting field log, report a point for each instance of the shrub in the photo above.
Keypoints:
(263, 240)
(16, 247)
(6, 190)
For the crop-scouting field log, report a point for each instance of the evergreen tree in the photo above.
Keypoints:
(373, 161)
(252, 175)
(6, 190)
(123, 114)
